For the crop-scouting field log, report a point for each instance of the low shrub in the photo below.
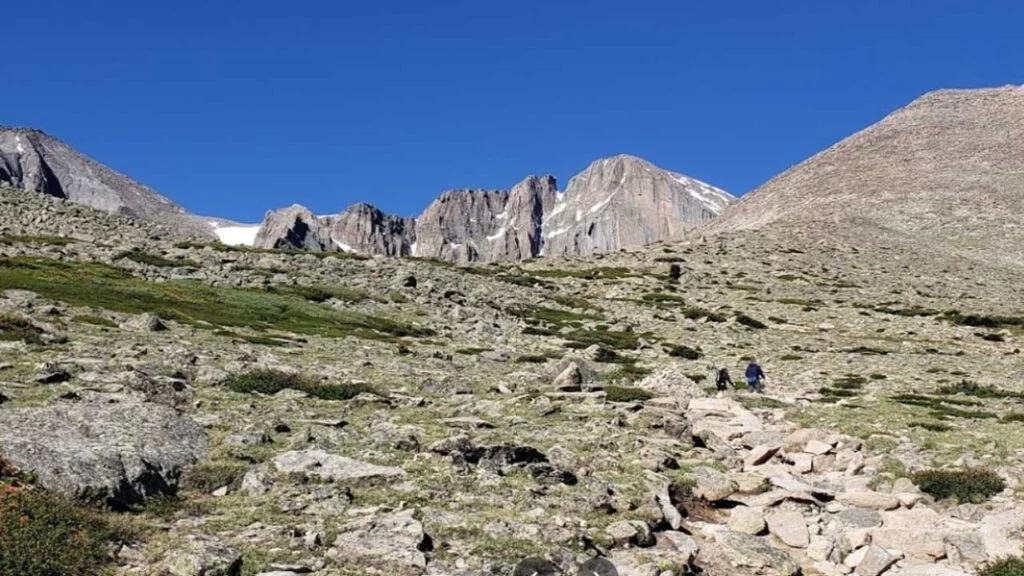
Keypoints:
(273, 381)
(531, 359)
(968, 485)
(206, 478)
(1013, 566)
(95, 320)
(751, 322)
(46, 534)
(14, 328)
(685, 352)
(626, 394)
(140, 257)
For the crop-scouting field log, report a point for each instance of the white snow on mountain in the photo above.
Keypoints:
(236, 235)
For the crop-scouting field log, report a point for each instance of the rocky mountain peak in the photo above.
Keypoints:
(33, 161)
(938, 172)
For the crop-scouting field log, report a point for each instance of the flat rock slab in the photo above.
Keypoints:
(712, 485)
(757, 553)
(789, 527)
(332, 467)
(876, 560)
(872, 500)
(119, 453)
(395, 540)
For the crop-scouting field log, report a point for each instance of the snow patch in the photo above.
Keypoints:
(579, 215)
(412, 249)
(236, 235)
(344, 247)
(21, 148)
(601, 204)
(502, 216)
(559, 196)
(497, 235)
(558, 232)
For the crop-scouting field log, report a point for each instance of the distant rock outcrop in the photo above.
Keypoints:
(33, 161)
(292, 227)
(620, 202)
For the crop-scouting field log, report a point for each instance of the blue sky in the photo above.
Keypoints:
(231, 108)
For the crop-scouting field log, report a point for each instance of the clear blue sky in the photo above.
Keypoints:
(231, 108)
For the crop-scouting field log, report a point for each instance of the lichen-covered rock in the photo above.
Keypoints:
(120, 453)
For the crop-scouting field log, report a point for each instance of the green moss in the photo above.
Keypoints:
(323, 293)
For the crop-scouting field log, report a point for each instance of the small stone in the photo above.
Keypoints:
(761, 454)
(875, 561)
(712, 485)
(817, 447)
(873, 500)
(747, 520)
(789, 527)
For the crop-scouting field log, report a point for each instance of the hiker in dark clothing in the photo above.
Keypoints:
(723, 379)
(755, 376)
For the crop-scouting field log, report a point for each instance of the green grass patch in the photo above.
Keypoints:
(626, 394)
(968, 388)
(681, 351)
(629, 372)
(15, 328)
(216, 246)
(473, 351)
(750, 322)
(207, 477)
(1013, 566)
(572, 302)
(982, 320)
(39, 240)
(140, 257)
(95, 320)
(931, 426)
(321, 294)
(273, 381)
(968, 485)
(597, 273)
(47, 534)
(92, 284)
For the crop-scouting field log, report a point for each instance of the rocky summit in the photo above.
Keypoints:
(190, 408)
(620, 202)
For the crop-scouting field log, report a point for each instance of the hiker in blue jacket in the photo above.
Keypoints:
(755, 377)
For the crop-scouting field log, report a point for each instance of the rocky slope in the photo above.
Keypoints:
(945, 172)
(457, 420)
(615, 203)
(34, 161)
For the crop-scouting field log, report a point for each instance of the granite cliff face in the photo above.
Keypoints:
(942, 173)
(33, 161)
(625, 202)
(619, 202)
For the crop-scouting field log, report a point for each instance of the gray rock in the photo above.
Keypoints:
(747, 521)
(394, 540)
(145, 323)
(756, 552)
(683, 544)
(789, 527)
(712, 485)
(333, 468)
(120, 453)
(876, 560)
(202, 557)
